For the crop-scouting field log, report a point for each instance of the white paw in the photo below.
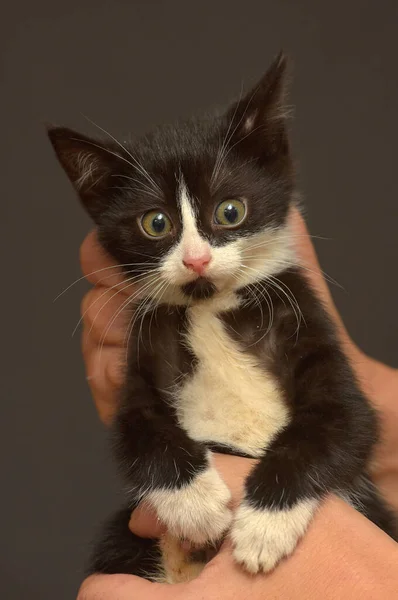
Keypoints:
(262, 537)
(198, 511)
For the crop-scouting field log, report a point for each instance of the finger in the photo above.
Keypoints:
(105, 314)
(122, 587)
(96, 264)
(105, 375)
(145, 523)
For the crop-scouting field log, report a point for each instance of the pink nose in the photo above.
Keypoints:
(197, 264)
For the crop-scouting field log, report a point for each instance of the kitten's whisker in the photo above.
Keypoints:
(133, 190)
(104, 149)
(132, 280)
(124, 273)
(230, 172)
(296, 235)
(130, 298)
(128, 301)
(297, 312)
(255, 298)
(158, 300)
(299, 263)
(139, 310)
(88, 275)
(329, 279)
(138, 253)
(274, 281)
(132, 323)
(149, 190)
(141, 169)
(144, 311)
(129, 330)
(292, 299)
(153, 303)
(270, 309)
(263, 292)
(239, 141)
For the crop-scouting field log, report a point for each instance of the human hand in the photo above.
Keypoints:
(342, 555)
(103, 334)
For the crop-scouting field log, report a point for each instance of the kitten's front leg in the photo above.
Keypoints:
(165, 467)
(323, 449)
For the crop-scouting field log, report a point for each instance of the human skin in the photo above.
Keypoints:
(341, 556)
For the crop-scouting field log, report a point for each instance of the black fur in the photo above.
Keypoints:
(130, 554)
(333, 429)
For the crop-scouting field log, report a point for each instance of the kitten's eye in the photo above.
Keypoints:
(230, 213)
(156, 224)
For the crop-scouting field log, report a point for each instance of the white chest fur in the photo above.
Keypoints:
(230, 398)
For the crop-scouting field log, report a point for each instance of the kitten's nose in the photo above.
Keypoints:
(197, 264)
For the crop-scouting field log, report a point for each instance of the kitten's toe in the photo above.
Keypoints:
(261, 538)
(198, 511)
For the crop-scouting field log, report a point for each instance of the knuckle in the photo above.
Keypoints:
(84, 258)
(86, 254)
(87, 590)
(89, 305)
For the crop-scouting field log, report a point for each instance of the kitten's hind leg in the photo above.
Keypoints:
(118, 550)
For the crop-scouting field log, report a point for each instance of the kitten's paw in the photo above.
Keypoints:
(198, 511)
(261, 538)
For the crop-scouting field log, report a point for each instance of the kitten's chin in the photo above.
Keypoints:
(200, 289)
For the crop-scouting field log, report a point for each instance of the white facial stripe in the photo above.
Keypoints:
(191, 242)
(187, 210)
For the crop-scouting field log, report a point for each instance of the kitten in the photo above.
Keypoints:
(229, 350)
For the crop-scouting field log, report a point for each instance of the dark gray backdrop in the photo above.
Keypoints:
(127, 65)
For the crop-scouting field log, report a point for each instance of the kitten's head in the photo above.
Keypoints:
(197, 208)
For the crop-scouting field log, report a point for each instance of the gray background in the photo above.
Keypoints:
(127, 65)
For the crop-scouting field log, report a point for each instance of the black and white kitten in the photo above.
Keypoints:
(230, 350)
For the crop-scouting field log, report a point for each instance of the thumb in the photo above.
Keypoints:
(144, 522)
(123, 587)
(224, 565)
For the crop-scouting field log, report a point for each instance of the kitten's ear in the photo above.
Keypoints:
(87, 163)
(258, 121)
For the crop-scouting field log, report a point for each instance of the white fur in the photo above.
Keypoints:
(198, 511)
(261, 538)
(191, 243)
(230, 398)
